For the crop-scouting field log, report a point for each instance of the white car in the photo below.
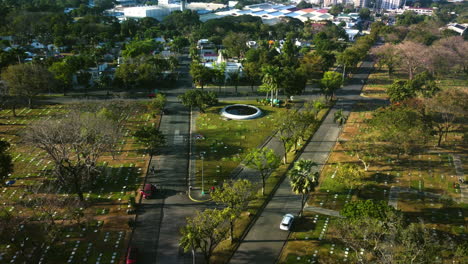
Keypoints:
(287, 221)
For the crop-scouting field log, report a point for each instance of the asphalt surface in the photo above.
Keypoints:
(264, 241)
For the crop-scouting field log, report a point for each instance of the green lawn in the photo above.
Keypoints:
(227, 142)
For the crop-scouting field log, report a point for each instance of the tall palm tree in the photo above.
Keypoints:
(302, 179)
(271, 80)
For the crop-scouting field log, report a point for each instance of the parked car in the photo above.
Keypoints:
(287, 221)
(132, 255)
(148, 191)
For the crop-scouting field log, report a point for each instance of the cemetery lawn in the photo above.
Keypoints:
(96, 232)
(428, 180)
(378, 82)
(226, 142)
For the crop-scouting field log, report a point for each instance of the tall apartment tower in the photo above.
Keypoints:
(182, 5)
(333, 2)
(389, 4)
(360, 3)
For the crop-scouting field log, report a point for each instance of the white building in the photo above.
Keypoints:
(390, 4)
(459, 28)
(157, 12)
(360, 3)
(231, 67)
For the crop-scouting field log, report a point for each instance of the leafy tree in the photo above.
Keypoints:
(234, 78)
(303, 5)
(364, 13)
(147, 74)
(27, 80)
(151, 137)
(294, 81)
(141, 47)
(156, 105)
(336, 9)
(401, 90)
(330, 82)
(264, 160)
(286, 127)
(204, 231)
(302, 179)
(408, 18)
(236, 44)
(219, 74)
(6, 163)
(386, 237)
(179, 43)
(197, 98)
(399, 128)
(126, 73)
(349, 58)
(311, 65)
(235, 195)
(349, 175)
(74, 144)
(387, 55)
(200, 74)
(323, 43)
(367, 209)
(183, 21)
(289, 52)
(446, 110)
(251, 73)
(424, 84)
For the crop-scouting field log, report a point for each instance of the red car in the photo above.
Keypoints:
(148, 190)
(132, 256)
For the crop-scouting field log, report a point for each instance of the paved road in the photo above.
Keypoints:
(160, 219)
(265, 240)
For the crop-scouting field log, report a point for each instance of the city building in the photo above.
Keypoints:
(389, 4)
(360, 3)
(157, 12)
(459, 28)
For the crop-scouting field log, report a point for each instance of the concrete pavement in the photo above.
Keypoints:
(265, 240)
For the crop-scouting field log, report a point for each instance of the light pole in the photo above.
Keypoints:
(202, 179)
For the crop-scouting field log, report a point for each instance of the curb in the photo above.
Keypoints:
(139, 200)
(195, 200)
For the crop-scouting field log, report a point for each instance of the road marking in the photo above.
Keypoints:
(177, 137)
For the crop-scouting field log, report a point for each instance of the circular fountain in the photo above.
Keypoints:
(241, 112)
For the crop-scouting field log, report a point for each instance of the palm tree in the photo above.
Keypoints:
(271, 80)
(302, 179)
(340, 117)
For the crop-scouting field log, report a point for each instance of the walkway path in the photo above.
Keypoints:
(321, 210)
(265, 240)
(461, 177)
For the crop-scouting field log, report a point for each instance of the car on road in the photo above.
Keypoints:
(148, 190)
(287, 221)
(131, 256)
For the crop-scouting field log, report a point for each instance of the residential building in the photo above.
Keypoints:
(459, 28)
(360, 3)
(389, 4)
